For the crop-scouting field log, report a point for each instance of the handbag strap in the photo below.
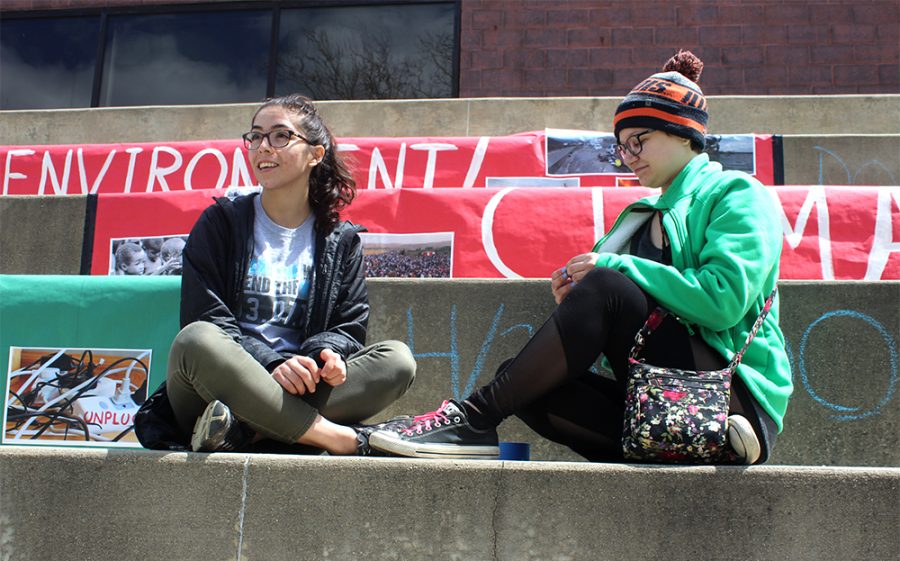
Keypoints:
(659, 314)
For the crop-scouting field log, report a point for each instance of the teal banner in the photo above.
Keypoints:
(80, 354)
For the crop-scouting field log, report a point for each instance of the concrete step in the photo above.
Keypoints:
(111, 505)
(816, 115)
(841, 336)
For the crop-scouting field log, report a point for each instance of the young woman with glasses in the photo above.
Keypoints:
(706, 248)
(274, 307)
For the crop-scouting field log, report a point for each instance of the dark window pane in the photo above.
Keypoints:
(368, 52)
(47, 63)
(196, 57)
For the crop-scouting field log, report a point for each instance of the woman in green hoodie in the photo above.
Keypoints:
(706, 248)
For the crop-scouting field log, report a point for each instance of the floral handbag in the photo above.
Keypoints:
(679, 416)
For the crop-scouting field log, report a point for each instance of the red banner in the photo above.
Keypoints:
(830, 232)
(552, 158)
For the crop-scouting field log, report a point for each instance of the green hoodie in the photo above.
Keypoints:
(726, 241)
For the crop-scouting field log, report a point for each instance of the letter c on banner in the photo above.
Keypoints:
(487, 234)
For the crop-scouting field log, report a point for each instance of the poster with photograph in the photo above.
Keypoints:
(504, 182)
(574, 152)
(74, 396)
(409, 255)
(156, 255)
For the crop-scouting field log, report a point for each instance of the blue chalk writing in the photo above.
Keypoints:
(851, 177)
(453, 354)
(850, 413)
(461, 386)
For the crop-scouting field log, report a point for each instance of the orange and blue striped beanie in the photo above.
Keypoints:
(670, 101)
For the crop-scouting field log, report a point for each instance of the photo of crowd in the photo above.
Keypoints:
(160, 255)
(408, 255)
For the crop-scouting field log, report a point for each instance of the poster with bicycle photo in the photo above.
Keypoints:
(74, 396)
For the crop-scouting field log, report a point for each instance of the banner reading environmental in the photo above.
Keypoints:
(551, 158)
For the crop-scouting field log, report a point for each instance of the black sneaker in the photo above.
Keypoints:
(445, 433)
(363, 432)
(217, 430)
(362, 443)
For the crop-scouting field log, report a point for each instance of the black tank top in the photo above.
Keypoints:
(642, 244)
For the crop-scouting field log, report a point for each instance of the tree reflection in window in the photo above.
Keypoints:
(372, 52)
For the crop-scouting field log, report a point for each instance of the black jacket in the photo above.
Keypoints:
(215, 263)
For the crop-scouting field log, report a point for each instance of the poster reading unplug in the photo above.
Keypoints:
(74, 396)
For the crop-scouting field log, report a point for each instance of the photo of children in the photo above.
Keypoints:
(68, 396)
(408, 255)
(160, 255)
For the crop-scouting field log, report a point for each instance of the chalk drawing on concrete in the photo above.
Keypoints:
(851, 175)
(850, 413)
(453, 354)
(460, 390)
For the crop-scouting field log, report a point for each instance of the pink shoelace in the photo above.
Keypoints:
(424, 421)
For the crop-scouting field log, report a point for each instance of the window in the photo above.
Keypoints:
(47, 63)
(228, 52)
(184, 58)
(367, 52)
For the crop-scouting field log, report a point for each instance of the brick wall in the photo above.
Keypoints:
(596, 47)
(599, 48)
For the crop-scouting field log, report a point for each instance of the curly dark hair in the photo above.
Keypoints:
(331, 186)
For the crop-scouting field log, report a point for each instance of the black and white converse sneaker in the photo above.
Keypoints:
(445, 433)
(363, 432)
(217, 430)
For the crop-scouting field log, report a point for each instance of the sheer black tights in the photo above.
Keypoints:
(549, 385)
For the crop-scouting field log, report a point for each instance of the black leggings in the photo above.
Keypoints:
(549, 386)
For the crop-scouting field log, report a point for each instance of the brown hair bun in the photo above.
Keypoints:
(685, 63)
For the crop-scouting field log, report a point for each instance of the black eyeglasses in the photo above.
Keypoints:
(632, 144)
(277, 139)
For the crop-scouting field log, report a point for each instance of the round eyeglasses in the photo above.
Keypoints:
(632, 144)
(277, 138)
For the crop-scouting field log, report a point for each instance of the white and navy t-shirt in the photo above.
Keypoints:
(278, 280)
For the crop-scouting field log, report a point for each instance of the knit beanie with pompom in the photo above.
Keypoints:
(670, 101)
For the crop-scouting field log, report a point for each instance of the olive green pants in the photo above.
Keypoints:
(206, 364)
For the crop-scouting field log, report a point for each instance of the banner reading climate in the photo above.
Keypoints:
(830, 233)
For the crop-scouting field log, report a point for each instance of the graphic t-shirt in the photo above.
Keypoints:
(278, 279)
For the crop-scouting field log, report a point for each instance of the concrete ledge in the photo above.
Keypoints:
(42, 235)
(839, 114)
(110, 505)
(842, 159)
(841, 337)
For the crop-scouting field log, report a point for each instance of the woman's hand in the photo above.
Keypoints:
(297, 375)
(562, 280)
(580, 265)
(334, 372)
(560, 284)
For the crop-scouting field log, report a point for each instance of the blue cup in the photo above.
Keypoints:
(515, 451)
